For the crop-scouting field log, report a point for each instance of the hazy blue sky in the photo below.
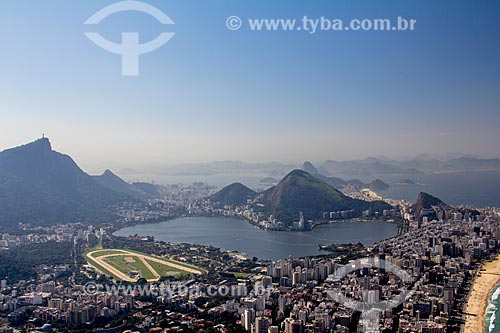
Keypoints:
(215, 94)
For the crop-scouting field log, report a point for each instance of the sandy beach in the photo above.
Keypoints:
(478, 300)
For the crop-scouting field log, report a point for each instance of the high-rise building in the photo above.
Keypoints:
(267, 281)
(282, 304)
(295, 278)
(293, 326)
(261, 325)
(248, 319)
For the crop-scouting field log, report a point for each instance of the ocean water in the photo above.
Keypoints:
(492, 317)
(480, 188)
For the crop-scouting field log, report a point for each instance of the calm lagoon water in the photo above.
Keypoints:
(239, 235)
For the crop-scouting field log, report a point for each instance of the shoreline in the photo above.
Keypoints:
(487, 279)
(115, 228)
(368, 244)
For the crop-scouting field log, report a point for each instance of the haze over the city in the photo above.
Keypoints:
(215, 94)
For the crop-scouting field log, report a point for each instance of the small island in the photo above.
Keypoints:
(379, 185)
(406, 182)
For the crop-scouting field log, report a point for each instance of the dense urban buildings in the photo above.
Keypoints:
(440, 256)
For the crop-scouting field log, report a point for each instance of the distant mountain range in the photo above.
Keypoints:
(417, 165)
(274, 169)
(40, 186)
(371, 166)
(338, 183)
(299, 191)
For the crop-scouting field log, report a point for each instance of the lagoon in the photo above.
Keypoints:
(239, 235)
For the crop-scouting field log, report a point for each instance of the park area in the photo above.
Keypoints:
(126, 265)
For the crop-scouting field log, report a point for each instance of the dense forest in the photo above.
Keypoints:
(20, 263)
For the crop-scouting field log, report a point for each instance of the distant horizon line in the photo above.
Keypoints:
(443, 157)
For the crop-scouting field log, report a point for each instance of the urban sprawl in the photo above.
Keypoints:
(293, 295)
